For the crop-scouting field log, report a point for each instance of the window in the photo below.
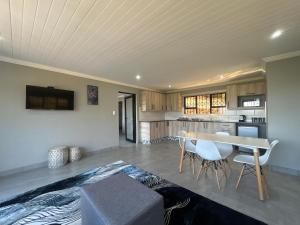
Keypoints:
(205, 104)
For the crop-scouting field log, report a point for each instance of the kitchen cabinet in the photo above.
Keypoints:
(174, 102)
(232, 97)
(155, 131)
(151, 101)
(225, 127)
(244, 89)
(252, 88)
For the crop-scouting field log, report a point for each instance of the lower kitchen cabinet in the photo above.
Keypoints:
(152, 132)
(155, 131)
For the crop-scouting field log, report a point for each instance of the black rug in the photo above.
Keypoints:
(58, 203)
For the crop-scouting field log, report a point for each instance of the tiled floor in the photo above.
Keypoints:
(283, 207)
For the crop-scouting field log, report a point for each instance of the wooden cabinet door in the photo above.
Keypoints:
(167, 127)
(227, 127)
(168, 102)
(232, 97)
(260, 88)
(177, 106)
(252, 88)
(152, 131)
(143, 101)
(197, 127)
(211, 127)
(162, 132)
(163, 102)
(244, 89)
(153, 101)
(173, 102)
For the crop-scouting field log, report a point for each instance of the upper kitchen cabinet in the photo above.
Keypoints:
(232, 97)
(152, 101)
(253, 88)
(235, 91)
(174, 102)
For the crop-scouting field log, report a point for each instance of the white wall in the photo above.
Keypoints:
(26, 135)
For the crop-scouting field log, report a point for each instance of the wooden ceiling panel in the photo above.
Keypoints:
(174, 42)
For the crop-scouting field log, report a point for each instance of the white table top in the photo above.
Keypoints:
(247, 142)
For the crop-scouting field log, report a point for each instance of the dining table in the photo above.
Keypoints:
(248, 142)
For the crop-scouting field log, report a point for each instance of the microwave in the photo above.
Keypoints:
(251, 101)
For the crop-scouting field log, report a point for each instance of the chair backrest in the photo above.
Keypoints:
(225, 147)
(265, 157)
(189, 146)
(208, 150)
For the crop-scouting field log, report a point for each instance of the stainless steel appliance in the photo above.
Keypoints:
(247, 131)
(251, 101)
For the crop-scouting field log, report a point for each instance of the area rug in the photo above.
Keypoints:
(59, 203)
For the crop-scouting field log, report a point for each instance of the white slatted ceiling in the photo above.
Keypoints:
(172, 41)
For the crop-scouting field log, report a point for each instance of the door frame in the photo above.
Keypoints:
(120, 105)
(133, 96)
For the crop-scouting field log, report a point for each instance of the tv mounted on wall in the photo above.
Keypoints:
(49, 98)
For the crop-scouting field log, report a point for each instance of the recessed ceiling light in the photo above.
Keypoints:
(276, 34)
(169, 85)
(138, 77)
(222, 77)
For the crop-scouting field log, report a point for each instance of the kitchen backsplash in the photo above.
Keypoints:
(229, 115)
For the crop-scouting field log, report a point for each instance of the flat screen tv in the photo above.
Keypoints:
(49, 98)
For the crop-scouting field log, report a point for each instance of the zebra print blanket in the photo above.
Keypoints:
(59, 203)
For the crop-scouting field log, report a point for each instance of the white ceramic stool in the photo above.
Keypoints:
(74, 154)
(58, 157)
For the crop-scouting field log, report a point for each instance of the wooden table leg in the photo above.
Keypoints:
(181, 155)
(258, 175)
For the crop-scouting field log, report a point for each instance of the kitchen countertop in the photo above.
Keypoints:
(213, 121)
(253, 124)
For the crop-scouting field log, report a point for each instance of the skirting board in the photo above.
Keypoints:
(23, 169)
(285, 170)
(45, 164)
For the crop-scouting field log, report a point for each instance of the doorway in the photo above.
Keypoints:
(127, 117)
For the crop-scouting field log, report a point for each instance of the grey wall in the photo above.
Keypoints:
(283, 82)
(26, 135)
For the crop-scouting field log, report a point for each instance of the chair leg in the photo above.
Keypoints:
(193, 164)
(224, 168)
(241, 174)
(216, 171)
(229, 167)
(201, 168)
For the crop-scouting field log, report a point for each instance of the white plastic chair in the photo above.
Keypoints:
(248, 161)
(211, 156)
(224, 149)
(190, 150)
